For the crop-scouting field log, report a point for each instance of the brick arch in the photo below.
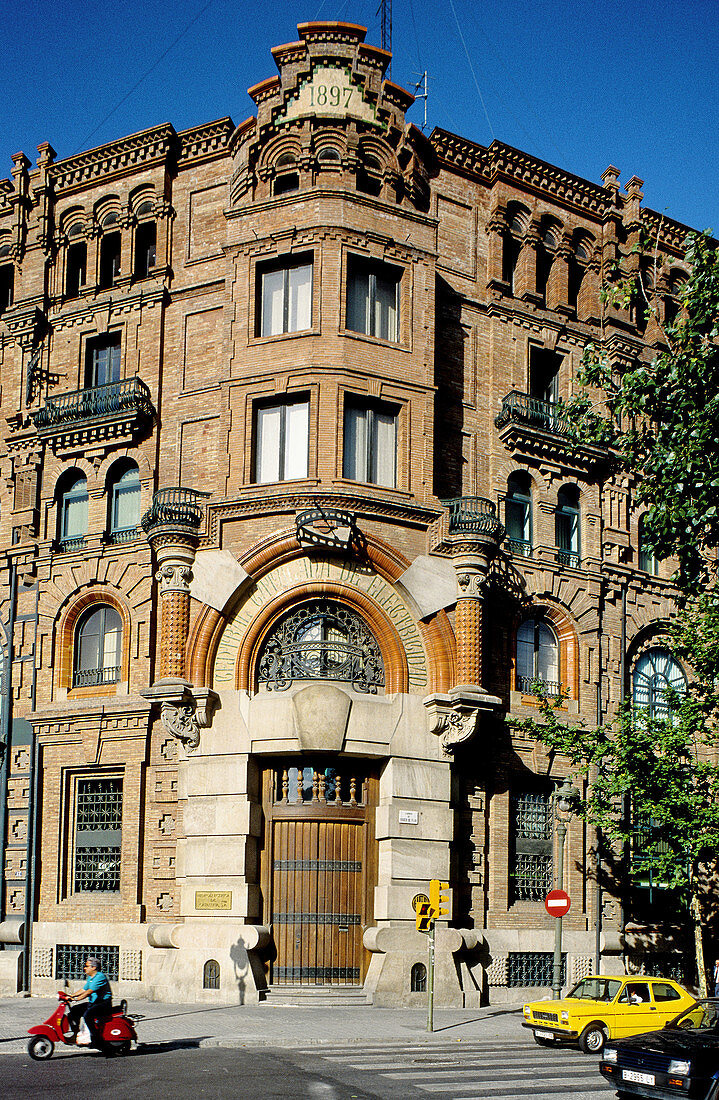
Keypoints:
(393, 655)
(567, 638)
(437, 634)
(65, 637)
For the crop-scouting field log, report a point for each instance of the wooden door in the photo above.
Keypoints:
(316, 876)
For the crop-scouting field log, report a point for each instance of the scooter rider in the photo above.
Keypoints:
(95, 999)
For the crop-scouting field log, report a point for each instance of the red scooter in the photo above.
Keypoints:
(117, 1031)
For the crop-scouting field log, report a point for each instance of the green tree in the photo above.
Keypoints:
(657, 775)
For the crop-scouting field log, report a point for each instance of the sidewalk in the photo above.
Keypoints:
(265, 1025)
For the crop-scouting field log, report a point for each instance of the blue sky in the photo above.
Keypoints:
(579, 83)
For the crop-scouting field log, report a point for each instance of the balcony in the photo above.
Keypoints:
(520, 408)
(469, 518)
(116, 410)
(532, 428)
(174, 509)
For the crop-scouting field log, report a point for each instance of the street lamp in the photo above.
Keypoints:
(565, 798)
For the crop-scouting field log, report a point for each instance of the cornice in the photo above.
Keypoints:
(117, 158)
(205, 142)
(499, 160)
(263, 504)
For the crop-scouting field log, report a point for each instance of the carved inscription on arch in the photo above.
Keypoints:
(303, 571)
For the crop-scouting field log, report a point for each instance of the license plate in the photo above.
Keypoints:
(638, 1078)
(543, 1034)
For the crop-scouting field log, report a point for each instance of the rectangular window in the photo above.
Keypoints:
(145, 249)
(530, 848)
(543, 376)
(76, 269)
(102, 360)
(97, 834)
(373, 299)
(370, 443)
(282, 441)
(110, 247)
(285, 298)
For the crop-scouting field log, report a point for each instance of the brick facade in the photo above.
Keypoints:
(143, 336)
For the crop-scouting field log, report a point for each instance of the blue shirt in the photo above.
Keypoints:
(100, 987)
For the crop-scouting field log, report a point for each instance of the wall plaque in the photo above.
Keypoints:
(213, 899)
(329, 91)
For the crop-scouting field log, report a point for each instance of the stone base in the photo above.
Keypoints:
(397, 949)
(10, 972)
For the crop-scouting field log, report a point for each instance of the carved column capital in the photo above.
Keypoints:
(174, 577)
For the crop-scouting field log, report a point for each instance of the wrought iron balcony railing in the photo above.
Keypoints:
(520, 408)
(174, 507)
(124, 534)
(473, 515)
(521, 547)
(130, 397)
(525, 684)
(568, 557)
(92, 677)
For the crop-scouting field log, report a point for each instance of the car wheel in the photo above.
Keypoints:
(40, 1048)
(592, 1039)
(542, 1042)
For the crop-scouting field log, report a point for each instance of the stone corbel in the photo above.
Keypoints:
(184, 711)
(454, 717)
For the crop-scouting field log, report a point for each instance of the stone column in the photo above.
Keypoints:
(471, 569)
(174, 573)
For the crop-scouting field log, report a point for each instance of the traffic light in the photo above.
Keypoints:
(438, 898)
(424, 916)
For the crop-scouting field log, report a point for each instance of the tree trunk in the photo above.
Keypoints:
(698, 945)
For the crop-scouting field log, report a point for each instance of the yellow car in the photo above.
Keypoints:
(606, 1007)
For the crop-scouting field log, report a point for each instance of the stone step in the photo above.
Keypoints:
(317, 996)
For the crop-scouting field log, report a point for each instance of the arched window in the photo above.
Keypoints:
(566, 525)
(577, 268)
(123, 502)
(545, 258)
(518, 513)
(537, 656)
(369, 175)
(512, 245)
(110, 251)
(647, 559)
(287, 178)
(145, 241)
(322, 640)
(654, 673)
(211, 974)
(98, 647)
(72, 508)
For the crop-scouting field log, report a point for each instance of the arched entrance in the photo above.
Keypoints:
(318, 867)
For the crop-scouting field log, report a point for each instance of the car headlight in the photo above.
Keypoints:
(681, 1068)
(610, 1054)
(564, 1017)
(526, 1012)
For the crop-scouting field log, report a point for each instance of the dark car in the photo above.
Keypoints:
(680, 1060)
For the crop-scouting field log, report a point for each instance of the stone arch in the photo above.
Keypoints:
(437, 634)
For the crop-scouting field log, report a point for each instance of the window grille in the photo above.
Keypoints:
(532, 867)
(664, 964)
(418, 978)
(211, 975)
(533, 968)
(70, 959)
(98, 834)
(321, 641)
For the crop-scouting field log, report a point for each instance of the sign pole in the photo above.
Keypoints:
(430, 979)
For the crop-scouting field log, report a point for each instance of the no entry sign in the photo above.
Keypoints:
(557, 903)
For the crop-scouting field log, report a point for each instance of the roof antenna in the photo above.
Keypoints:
(422, 83)
(385, 12)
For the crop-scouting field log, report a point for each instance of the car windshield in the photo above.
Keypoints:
(703, 1016)
(595, 989)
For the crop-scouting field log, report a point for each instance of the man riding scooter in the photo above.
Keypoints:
(94, 1000)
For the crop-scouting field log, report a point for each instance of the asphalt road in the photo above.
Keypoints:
(454, 1070)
